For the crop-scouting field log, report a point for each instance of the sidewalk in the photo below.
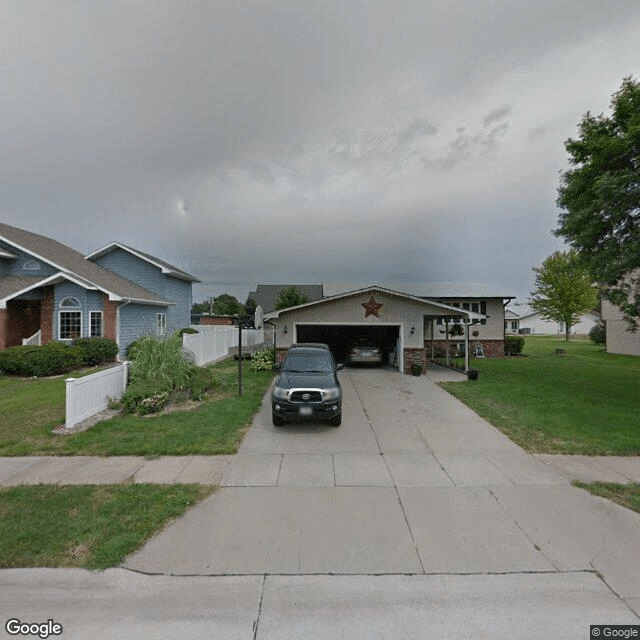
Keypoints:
(322, 469)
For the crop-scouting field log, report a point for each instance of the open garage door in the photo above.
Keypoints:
(340, 337)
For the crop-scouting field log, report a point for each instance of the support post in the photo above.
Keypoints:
(466, 345)
(239, 357)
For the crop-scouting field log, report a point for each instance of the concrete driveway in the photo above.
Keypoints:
(413, 482)
(414, 519)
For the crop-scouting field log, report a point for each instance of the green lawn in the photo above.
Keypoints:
(88, 526)
(627, 495)
(30, 409)
(584, 402)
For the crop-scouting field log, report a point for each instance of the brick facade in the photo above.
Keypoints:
(46, 315)
(109, 318)
(4, 328)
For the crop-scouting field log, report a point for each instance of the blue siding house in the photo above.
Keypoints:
(48, 291)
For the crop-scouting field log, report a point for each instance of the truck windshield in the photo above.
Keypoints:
(320, 363)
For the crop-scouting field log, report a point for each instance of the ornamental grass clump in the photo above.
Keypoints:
(159, 367)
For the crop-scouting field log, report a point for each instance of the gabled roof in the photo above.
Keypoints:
(447, 310)
(432, 290)
(165, 267)
(266, 295)
(73, 264)
(14, 285)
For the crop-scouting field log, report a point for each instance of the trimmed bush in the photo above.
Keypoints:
(142, 397)
(598, 333)
(187, 330)
(51, 359)
(513, 345)
(97, 350)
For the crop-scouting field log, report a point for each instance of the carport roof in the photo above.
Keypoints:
(447, 310)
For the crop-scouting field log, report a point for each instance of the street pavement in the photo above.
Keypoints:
(414, 519)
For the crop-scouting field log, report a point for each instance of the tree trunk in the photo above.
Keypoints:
(567, 329)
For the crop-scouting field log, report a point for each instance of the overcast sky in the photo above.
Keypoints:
(287, 141)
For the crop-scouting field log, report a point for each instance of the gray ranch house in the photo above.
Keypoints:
(410, 322)
(49, 291)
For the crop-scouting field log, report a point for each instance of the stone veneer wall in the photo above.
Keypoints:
(411, 355)
(492, 348)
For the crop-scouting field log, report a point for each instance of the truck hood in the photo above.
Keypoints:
(293, 380)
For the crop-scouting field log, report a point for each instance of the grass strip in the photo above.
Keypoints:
(87, 526)
(34, 407)
(626, 495)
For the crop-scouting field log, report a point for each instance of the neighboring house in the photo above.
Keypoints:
(407, 320)
(619, 339)
(49, 291)
(511, 322)
(532, 322)
(205, 318)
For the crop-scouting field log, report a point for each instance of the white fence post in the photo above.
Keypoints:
(87, 396)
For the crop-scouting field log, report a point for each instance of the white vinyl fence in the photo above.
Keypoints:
(89, 395)
(212, 342)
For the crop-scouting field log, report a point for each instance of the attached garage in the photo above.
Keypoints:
(399, 323)
(340, 337)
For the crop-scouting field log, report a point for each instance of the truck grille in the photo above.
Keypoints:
(302, 395)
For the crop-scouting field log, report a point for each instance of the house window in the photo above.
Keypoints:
(31, 265)
(514, 326)
(161, 324)
(96, 327)
(483, 310)
(70, 320)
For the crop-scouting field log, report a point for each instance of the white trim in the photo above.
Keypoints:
(66, 307)
(348, 294)
(50, 280)
(101, 312)
(71, 310)
(161, 323)
(36, 266)
(85, 284)
(182, 275)
(30, 252)
(399, 325)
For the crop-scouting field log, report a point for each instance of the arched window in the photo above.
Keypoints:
(70, 302)
(31, 265)
(70, 320)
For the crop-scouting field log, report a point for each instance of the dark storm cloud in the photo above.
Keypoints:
(263, 140)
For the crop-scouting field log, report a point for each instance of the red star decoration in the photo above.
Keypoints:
(372, 307)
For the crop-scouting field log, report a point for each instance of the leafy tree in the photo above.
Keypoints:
(600, 199)
(564, 290)
(200, 307)
(226, 305)
(247, 315)
(290, 297)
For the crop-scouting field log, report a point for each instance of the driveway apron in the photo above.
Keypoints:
(413, 482)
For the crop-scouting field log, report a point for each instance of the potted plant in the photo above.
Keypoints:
(416, 367)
